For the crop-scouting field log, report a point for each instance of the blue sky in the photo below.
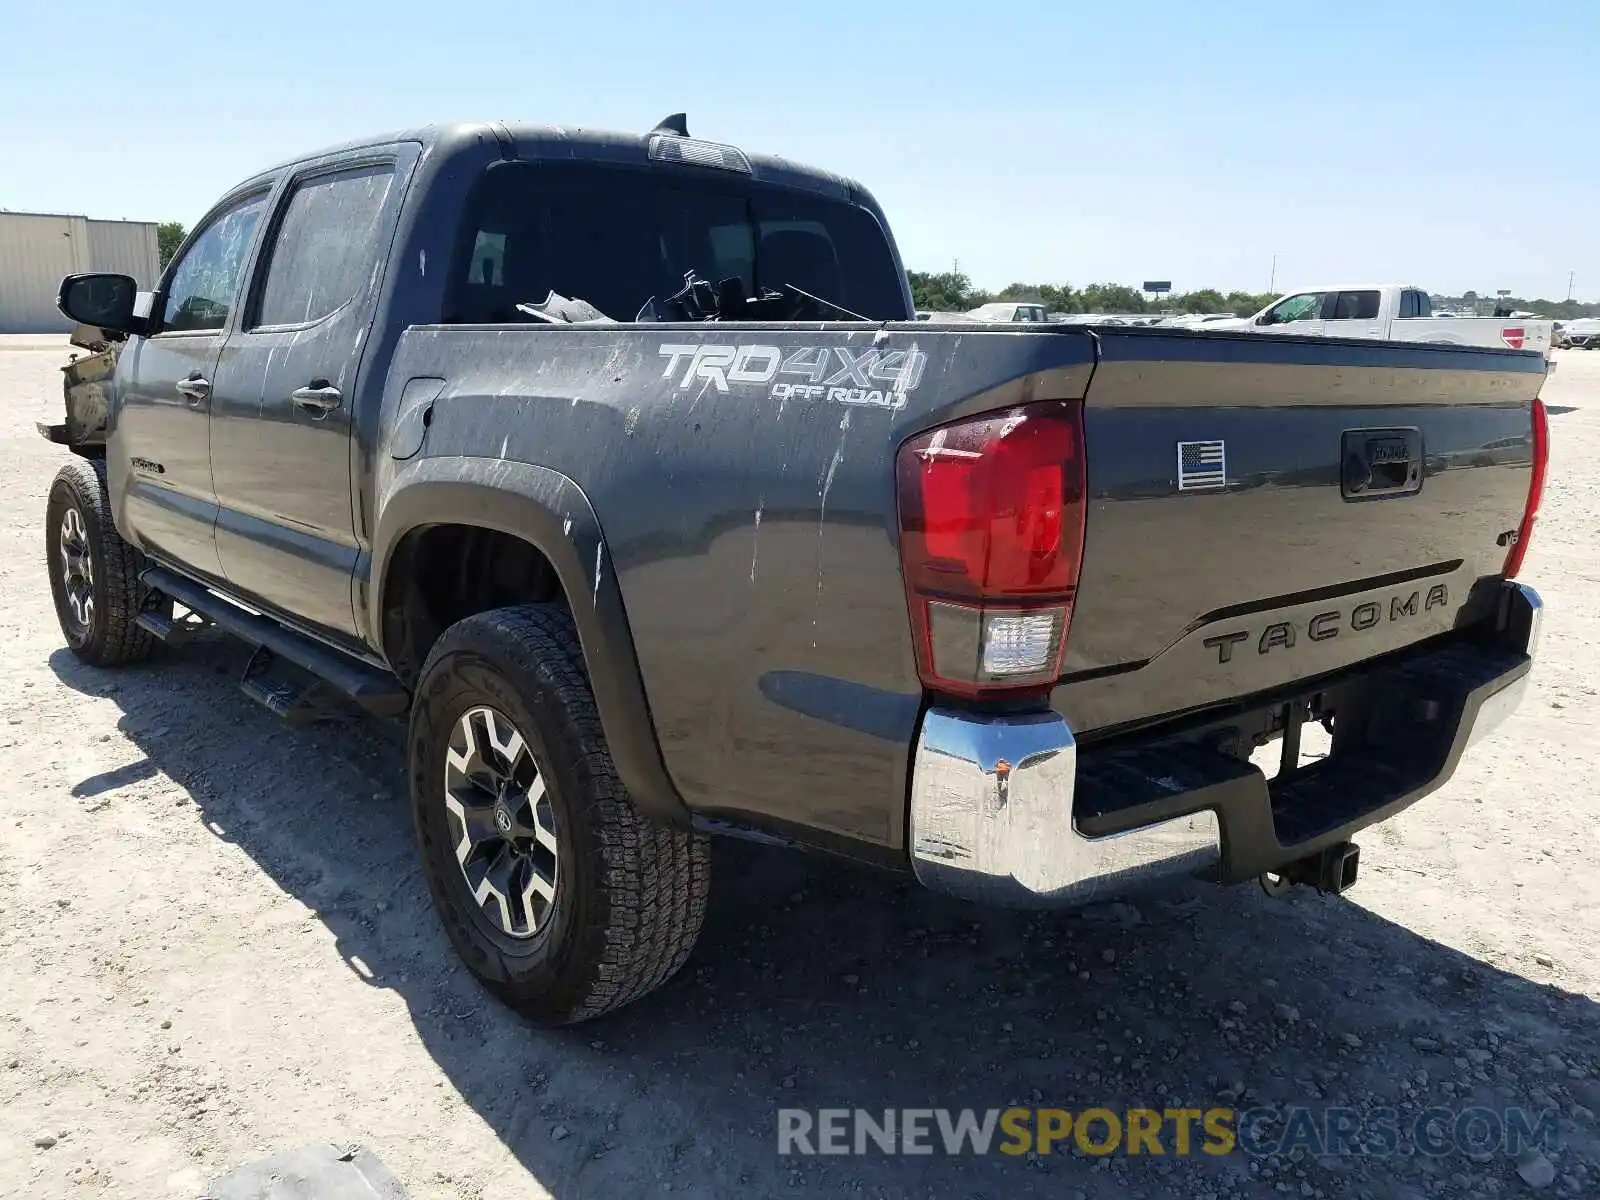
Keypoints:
(1452, 145)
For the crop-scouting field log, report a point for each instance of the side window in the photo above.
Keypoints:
(1408, 304)
(1305, 307)
(202, 287)
(1355, 306)
(325, 246)
(1424, 304)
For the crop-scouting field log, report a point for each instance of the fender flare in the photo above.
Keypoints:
(550, 512)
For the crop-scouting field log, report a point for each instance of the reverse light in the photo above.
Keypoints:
(1541, 464)
(991, 542)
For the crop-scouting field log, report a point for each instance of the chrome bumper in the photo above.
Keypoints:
(992, 801)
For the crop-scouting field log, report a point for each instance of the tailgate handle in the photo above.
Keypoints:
(1380, 464)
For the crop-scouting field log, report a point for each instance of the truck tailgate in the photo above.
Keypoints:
(1337, 500)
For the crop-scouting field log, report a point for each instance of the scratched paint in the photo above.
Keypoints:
(822, 518)
(665, 499)
(755, 548)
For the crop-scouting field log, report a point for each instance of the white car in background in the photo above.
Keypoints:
(1582, 334)
(1006, 312)
(1202, 320)
(1393, 311)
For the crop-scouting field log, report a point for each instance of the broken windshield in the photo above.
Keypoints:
(620, 237)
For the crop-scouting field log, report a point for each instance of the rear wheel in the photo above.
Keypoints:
(94, 574)
(555, 891)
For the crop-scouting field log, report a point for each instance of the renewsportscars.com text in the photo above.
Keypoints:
(1434, 1132)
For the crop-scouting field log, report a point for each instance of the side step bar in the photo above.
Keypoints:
(374, 690)
(171, 630)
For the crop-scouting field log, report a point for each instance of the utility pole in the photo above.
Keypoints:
(1272, 283)
(1570, 275)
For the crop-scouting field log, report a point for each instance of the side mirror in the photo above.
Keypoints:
(104, 301)
(1266, 319)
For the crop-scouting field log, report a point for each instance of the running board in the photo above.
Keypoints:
(291, 701)
(369, 687)
(172, 630)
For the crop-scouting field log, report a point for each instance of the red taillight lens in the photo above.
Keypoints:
(991, 540)
(1541, 463)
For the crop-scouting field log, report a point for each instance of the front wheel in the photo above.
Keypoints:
(557, 893)
(94, 574)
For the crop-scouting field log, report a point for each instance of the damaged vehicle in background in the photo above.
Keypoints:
(619, 467)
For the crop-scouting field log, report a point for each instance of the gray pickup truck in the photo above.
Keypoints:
(619, 465)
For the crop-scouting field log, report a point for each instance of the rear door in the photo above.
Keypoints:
(285, 383)
(1353, 314)
(159, 437)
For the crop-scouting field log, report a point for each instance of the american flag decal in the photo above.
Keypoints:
(1201, 465)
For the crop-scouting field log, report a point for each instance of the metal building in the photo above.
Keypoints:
(37, 249)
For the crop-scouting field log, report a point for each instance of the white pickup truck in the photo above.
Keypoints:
(1397, 312)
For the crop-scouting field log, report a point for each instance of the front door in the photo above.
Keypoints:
(1300, 313)
(159, 436)
(285, 390)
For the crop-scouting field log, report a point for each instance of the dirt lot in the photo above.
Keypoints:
(216, 945)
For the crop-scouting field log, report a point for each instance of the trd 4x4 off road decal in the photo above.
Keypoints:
(838, 374)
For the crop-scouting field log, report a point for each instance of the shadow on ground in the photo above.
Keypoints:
(818, 985)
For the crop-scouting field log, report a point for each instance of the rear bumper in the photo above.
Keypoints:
(1007, 810)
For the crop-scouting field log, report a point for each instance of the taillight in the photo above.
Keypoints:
(991, 541)
(1541, 462)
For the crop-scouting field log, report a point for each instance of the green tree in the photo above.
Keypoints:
(948, 291)
(1055, 298)
(1206, 300)
(169, 236)
(1244, 304)
(1112, 298)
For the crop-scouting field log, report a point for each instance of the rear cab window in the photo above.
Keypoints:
(617, 236)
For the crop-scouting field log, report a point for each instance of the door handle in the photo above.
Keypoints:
(319, 397)
(195, 388)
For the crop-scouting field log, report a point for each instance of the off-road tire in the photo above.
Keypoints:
(630, 892)
(110, 637)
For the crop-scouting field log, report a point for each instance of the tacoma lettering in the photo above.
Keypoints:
(1282, 635)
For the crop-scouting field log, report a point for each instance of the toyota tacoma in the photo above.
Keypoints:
(619, 468)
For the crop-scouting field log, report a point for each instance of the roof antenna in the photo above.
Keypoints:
(677, 125)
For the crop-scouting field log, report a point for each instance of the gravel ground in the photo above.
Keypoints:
(216, 945)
